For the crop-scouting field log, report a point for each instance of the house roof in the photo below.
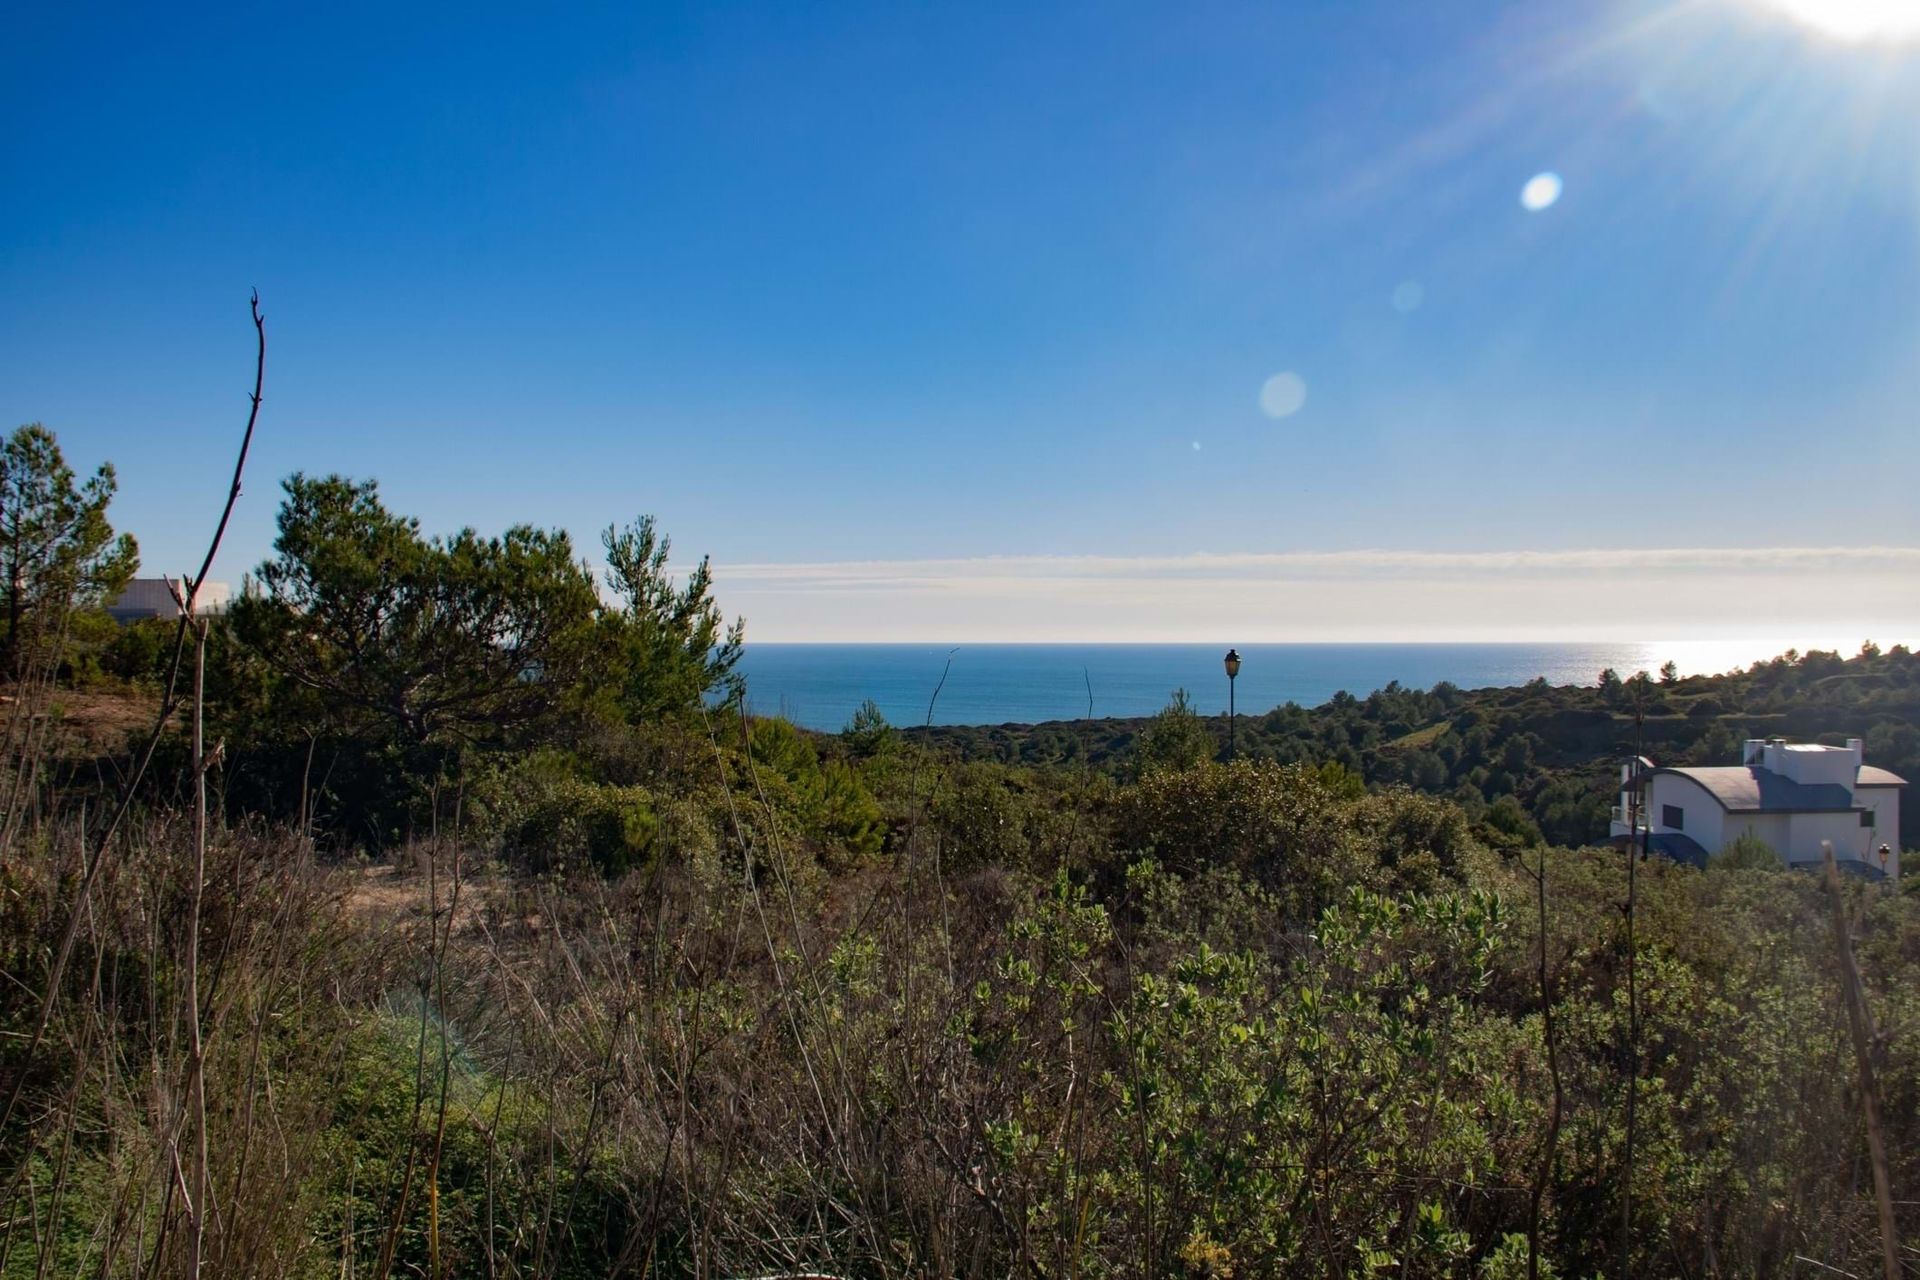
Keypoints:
(1750, 789)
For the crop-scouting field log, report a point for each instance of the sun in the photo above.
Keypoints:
(1855, 19)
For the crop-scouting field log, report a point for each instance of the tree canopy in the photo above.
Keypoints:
(371, 660)
(670, 646)
(58, 547)
(1176, 738)
(415, 639)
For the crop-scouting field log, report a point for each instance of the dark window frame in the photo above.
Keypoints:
(1672, 815)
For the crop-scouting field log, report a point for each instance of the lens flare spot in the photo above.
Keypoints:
(1282, 395)
(1541, 191)
(1408, 295)
(1196, 446)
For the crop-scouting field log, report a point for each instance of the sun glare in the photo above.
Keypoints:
(1855, 19)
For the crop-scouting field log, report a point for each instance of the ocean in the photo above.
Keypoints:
(819, 686)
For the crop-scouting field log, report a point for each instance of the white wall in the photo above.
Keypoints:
(1885, 803)
(1769, 827)
(1795, 837)
(1812, 764)
(1807, 831)
(1702, 813)
(150, 598)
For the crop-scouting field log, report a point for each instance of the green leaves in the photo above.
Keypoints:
(1250, 1087)
(57, 550)
(830, 806)
(668, 646)
(412, 640)
(1177, 738)
(1284, 827)
(393, 656)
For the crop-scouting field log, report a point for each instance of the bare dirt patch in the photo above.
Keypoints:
(90, 722)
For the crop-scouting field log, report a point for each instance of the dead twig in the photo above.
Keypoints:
(168, 705)
(1860, 1026)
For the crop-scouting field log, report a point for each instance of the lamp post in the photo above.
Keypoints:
(1233, 671)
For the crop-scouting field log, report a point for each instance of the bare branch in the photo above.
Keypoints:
(168, 705)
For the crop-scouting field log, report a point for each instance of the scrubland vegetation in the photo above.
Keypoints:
(513, 949)
(1539, 761)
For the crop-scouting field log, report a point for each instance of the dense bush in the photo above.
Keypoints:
(698, 1068)
(1280, 825)
(827, 805)
(544, 815)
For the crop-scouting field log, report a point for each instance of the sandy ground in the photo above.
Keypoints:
(379, 892)
(386, 894)
(85, 722)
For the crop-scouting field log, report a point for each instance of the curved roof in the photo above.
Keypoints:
(1746, 789)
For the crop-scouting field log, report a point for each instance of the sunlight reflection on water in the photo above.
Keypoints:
(1713, 657)
(819, 686)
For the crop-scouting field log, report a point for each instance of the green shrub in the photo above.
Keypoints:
(983, 817)
(827, 805)
(1746, 852)
(868, 734)
(1281, 825)
(544, 815)
(1176, 738)
(1421, 840)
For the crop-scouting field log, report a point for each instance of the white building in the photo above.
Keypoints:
(150, 598)
(1792, 795)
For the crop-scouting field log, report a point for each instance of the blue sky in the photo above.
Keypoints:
(833, 284)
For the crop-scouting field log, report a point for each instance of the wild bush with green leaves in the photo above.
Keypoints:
(828, 805)
(545, 815)
(1280, 825)
(708, 1065)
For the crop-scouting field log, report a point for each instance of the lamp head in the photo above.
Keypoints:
(1233, 663)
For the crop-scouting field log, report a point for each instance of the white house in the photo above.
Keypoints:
(150, 598)
(1792, 795)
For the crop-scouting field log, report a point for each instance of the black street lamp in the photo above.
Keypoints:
(1233, 671)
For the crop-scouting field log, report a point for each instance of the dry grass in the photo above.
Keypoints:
(93, 722)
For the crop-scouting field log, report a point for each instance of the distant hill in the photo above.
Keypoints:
(1554, 749)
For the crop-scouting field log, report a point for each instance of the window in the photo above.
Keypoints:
(1672, 815)
(1866, 817)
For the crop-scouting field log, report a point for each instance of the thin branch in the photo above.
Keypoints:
(1860, 1028)
(938, 687)
(168, 705)
(1550, 1146)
